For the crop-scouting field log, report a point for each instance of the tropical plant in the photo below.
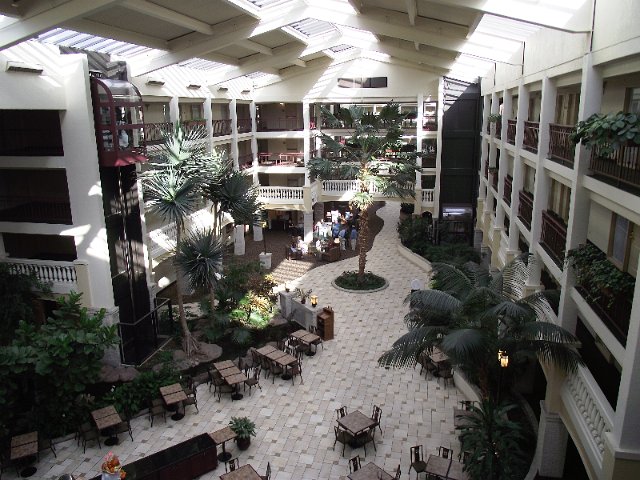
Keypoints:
(494, 118)
(351, 281)
(472, 314)
(200, 258)
(243, 427)
(303, 294)
(607, 133)
(496, 445)
(358, 159)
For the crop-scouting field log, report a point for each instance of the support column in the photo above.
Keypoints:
(436, 189)
(308, 227)
(306, 141)
(208, 117)
(233, 115)
(552, 444)
(238, 240)
(174, 110)
(254, 142)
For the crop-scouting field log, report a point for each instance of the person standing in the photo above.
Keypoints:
(353, 237)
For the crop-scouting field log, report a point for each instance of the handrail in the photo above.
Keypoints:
(281, 193)
(244, 125)
(46, 270)
(561, 148)
(506, 194)
(622, 166)
(554, 236)
(221, 127)
(428, 196)
(525, 208)
(531, 134)
(511, 131)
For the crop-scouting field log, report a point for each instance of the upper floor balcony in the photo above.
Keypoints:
(508, 185)
(197, 128)
(245, 161)
(289, 159)
(35, 208)
(525, 208)
(498, 131)
(61, 276)
(221, 127)
(530, 139)
(561, 148)
(511, 131)
(155, 133)
(621, 168)
(244, 125)
(554, 236)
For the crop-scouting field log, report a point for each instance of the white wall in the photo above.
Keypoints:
(615, 21)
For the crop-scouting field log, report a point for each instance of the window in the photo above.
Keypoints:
(620, 241)
(30, 133)
(634, 101)
(363, 82)
(559, 199)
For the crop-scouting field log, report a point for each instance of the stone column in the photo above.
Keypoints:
(233, 115)
(208, 117)
(552, 444)
(238, 240)
(308, 227)
(254, 142)
(174, 110)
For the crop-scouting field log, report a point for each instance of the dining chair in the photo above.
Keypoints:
(354, 464)
(192, 397)
(341, 412)
(123, 427)
(275, 370)
(377, 416)
(232, 465)
(342, 436)
(86, 433)
(446, 374)
(367, 437)
(466, 404)
(296, 370)
(267, 475)
(156, 408)
(398, 473)
(445, 452)
(253, 378)
(417, 460)
(313, 329)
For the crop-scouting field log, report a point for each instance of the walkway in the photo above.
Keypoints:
(295, 423)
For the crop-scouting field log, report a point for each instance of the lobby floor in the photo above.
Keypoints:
(295, 423)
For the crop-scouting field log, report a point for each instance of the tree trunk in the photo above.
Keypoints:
(363, 239)
(212, 298)
(189, 344)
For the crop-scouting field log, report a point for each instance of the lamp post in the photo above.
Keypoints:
(314, 301)
(503, 359)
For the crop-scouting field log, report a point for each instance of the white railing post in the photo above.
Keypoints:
(83, 282)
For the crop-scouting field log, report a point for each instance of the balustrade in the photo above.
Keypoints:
(622, 167)
(155, 133)
(244, 125)
(14, 208)
(195, 128)
(292, 123)
(221, 127)
(530, 140)
(511, 131)
(281, 193)
(245, 161)
(506, 194)
(427, 197)
(561, 148)
(62, 275)
(554, 236)
(498, 133)
(525, 208)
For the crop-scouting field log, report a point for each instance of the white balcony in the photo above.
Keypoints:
(61, 276)
(590, 413)
(281, 195)
(428, 197)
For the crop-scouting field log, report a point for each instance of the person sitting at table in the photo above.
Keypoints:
(292, 250)
(335, 229)
(342, 235)
(301, 246)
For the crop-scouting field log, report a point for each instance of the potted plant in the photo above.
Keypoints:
(494, 118)
(303, 294)
(607, 133)
(244, 430)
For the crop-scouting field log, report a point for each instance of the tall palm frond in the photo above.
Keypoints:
(451, 279)
(171, 195)
(406, 349)
(433, 300)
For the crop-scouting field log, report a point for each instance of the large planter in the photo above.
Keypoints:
(243, 443)
(265, 260)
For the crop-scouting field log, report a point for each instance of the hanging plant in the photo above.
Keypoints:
(607, 133)
(494, 118)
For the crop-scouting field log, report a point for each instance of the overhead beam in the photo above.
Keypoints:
(108, 31)
(165, 14)
(218, 57)
(255, 46)
(245, 7)
(31, 26)
(412, 11)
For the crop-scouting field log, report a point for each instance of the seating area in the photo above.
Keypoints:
(295, 420)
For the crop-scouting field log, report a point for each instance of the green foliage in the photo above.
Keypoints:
(598, 276)
(131, 397)
(407, 208)
(608, 133)
(494, 118)
(254, 311)
(16, 300)
(243, 427)
(352, 281)
(238, 279)
(496, 444)
(47, 367)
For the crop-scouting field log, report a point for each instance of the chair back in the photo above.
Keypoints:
(377, 414)
(354, 464)
(398, 474)
(313, 329)
(256, 372)
(341, 412)
(416, 454)
(466, 404)
(232, 464)
(445, 452)
(267, 475)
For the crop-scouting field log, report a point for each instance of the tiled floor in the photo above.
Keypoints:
(295, 423)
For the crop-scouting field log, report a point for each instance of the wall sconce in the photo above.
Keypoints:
(504, 359)
(314, 301)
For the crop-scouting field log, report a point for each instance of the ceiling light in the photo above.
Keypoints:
(194, 86)
(13, 66)
(155, 81)
(246, 91)
(223, 89)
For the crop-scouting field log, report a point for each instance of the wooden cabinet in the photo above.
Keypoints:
(324, 322)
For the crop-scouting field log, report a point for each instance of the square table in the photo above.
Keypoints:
(245, 472)
(298, 333)
(461, 417)
(23, 447)
(274, 355)
(370, 472)
(106, 418)
(356, 422)
(225, 372)
(308, 338)
(438, 465)
(266, 349)
(220, 437)
(173, 395)
(455, 471)
(236, 379)
(224, 364)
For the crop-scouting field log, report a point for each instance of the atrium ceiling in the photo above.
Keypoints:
(228, 39)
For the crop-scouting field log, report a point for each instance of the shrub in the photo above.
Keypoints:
(350, 281)
(407, 208)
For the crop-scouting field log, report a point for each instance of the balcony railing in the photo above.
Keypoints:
(530, 140)
(494, 179)
(590, 412)
(195, 127)
(61, 275)
(427, 197)
(35, 209)
(281, 194)
(281, 159)
(221, 127)
(622, 167)
(508, 185)
(561, 148)
(155, 133)
(554, 236)
(615, 312)
(511, 131)
(245, 161)
(486, 168)
(280, 124)
(498, 133)
(525, 208)
(244, 125)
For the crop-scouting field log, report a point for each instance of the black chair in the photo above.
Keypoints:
(354, 464)
(253, 378)
(275, 370)
(314, 329)
(221, 386)
(192, 397)
(377, 416)
(466, 404)
(267, 475)
(445, 452)
(366, 437)
(156, 408)
(123, 427)
(296, 370)
(398, 474)
(88, 432)
(446, 374)
(343, 437)
(232, 465)
(417, 460)
(341, 412)
(44, 443)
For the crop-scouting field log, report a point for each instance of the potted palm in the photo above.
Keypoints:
(244, 430)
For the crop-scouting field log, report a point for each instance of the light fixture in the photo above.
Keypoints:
(155, 81)
(286, 287)
(13, 66)
(223, 89)
(504, 359)
(314, 300)
(194, 86)
(246, 91)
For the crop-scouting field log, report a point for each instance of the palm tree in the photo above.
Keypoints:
(497, 446)
(200, 258)
(358, 158)
(472, 315)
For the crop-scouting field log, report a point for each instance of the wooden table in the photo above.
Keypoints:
(245, 472)
(284, 361)
(220, 437)
(455, 471)
(266, 350)
(307, 338)
(461, 417)
(235, 380)
(275, 354)
(106, 418)
(224, 364)
(25, 446)
(228, 371)
(438, 465)
(173, 395)
(370, 472)
(356, 422)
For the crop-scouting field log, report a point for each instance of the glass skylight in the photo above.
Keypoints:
(92, 43)
(202, 64)
(311, 27)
